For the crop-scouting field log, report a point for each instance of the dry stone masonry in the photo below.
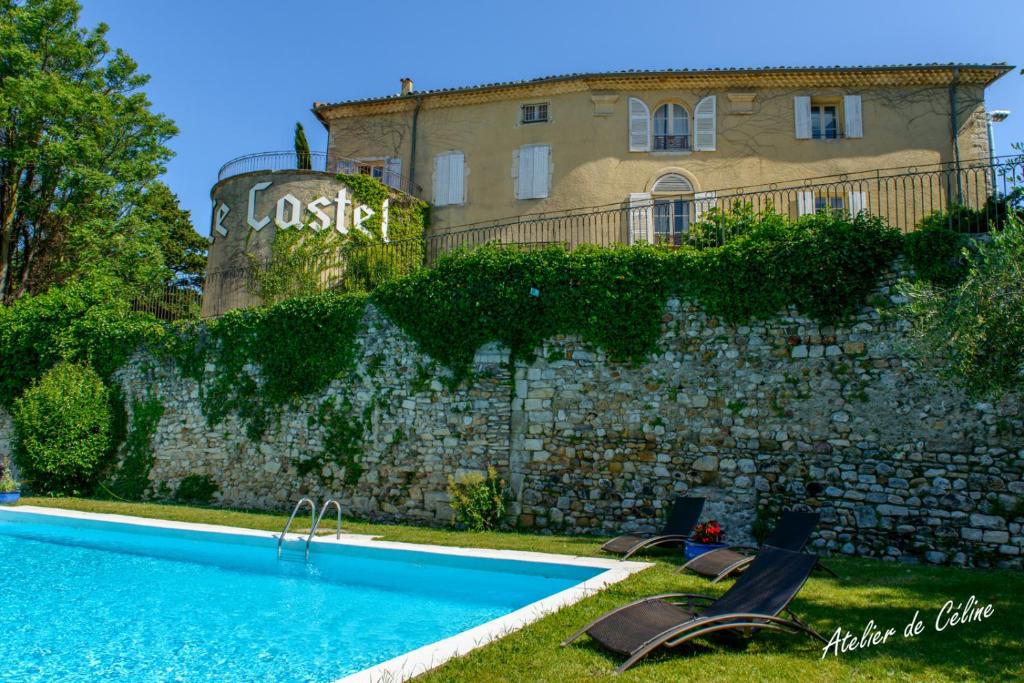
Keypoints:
(767, 415)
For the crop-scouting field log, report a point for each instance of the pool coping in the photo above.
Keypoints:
(432, 655)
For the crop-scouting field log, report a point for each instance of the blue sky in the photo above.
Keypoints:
(236, 75)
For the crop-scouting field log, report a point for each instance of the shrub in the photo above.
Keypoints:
(977, 327)
(62, 430)
(197, 489)
(936, 253)
(7, 482)
(478, 501)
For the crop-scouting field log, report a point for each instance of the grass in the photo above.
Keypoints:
(887, 593)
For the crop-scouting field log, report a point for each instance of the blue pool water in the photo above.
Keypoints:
(84, 600)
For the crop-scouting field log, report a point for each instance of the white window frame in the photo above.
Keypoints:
(535, 107)
(671, 123)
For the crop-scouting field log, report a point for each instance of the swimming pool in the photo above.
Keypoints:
(97, 597)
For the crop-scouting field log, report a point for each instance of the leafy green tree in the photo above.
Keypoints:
(182, 249)
(79, 146)
(88, 320)
(305, 160)
(976, 326)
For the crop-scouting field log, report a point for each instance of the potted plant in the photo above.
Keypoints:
(9, 490)
(707, 536)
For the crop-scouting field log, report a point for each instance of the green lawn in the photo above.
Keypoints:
(889, 594)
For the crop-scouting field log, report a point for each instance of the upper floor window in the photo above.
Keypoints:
(824, 122)
(374, 169)
(828, 118)
(534, 113)
(671, 128)
(449, 179)
(387, 171)
(532, 169)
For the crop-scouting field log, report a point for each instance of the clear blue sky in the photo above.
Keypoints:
(237, 74)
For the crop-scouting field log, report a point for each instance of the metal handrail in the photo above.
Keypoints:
(295, 511)
(316, 524)
(287, 160)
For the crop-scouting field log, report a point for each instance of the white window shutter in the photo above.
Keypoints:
(524, 175)
(639, 126)
(456, 178)
(802, 110)
(541, 171)
(346, 167)
(442, 181)
(804, 203)
(704, 124)
(702, 203)
(641, 218)
(393, 172)
(854, 120)
(857, 202)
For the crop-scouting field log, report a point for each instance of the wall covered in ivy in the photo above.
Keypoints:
(755, 417)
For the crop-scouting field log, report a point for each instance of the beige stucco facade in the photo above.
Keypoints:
(908, 117)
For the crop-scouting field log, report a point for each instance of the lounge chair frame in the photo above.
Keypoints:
(740, 564)
(661, 538)
(653, 540)
(699, 626)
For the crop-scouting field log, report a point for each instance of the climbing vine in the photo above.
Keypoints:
(615, 298)
(254, 362)
(131, 479)
(343, 443)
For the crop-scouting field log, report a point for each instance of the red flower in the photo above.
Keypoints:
(708, 532)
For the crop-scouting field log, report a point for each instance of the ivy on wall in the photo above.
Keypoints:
(614, 298)
(257, 362)
(253, 362)
(131, 479)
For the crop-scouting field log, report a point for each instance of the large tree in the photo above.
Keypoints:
(79, 149)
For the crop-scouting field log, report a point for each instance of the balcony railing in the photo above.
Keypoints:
(970, 196)
(671, 143)
(317, 161)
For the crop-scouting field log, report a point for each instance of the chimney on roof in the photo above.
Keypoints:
(406, 85)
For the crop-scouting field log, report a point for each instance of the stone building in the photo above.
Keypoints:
(493, 151)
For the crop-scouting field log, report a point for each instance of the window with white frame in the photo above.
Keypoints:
(828, 117)
(449, 179)
(534, 113)
(671, 128)
(824, 122)
(532, 169)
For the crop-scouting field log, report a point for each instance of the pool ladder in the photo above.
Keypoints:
(314, 521)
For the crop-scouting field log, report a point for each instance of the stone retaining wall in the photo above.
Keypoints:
(770, 414)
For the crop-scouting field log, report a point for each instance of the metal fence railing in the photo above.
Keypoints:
(968, 198)
(317, 161)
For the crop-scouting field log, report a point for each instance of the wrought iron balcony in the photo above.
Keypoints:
(316, 161)
(671, 143)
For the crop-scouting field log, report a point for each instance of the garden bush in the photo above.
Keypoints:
(62, 430)
(936, 253)
(197, 489)
(478, 501)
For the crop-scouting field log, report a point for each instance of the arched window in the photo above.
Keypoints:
(672, 183)
(673, 208)
(671, 128)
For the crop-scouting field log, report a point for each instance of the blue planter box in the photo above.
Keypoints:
(692, 549)
(9, 498)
